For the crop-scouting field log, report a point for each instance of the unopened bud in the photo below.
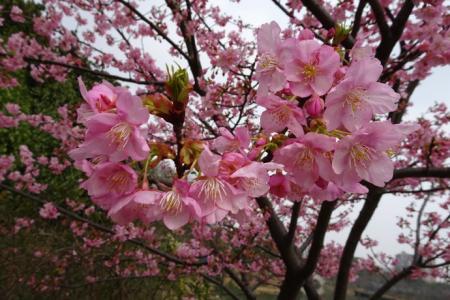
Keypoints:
(314, 106)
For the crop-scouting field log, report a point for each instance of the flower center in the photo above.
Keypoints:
(268, 62)
(282, 115)
(353, 98)
(171, 202)
(361, 155)
(305, 158)
(119, 181)
(309, 71)
(213, 189)
(120, 134)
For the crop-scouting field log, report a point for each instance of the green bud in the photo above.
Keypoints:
(177, 84)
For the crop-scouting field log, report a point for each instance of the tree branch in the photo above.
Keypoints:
(154, 27)
(443, 172)
(293, 224)
(387, 45)
(101, 227)
(326, 19)
(247, 292)
(391, 282)
(366, 213)
(357, 19)
(93, 72)
(378, 11)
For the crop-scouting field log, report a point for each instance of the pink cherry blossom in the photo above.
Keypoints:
(269, 71)
(228, 142)
(138, 205)
(177, 208)
(281, 114)
(306, 159)
(213, 192)
(109, 181)
(354, 101)
(49, 211)
(116, 135)
(254, 179)
(310, 68)
(362, 155)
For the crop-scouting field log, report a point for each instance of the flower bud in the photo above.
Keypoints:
(314, 106)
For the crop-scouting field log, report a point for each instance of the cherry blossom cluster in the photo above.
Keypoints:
(317, 126)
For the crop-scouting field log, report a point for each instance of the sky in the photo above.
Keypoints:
(433, 89)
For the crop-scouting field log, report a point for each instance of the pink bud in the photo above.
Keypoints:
(305, 34)
(314, 106)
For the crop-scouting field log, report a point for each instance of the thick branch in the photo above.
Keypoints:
(387, 45)
(279, 233)
(357, 19)
(443, 172)
(366, 213)
(378, 11)
(293, 225)
(318, 237)
(326, 19)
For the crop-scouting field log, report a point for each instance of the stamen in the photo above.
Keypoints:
(282, 115)
(361, 155)
(309, 71)
(171, 202)
(120, 134)
(353, 98)
(119, 181)
(267, 62)
(305, 158)
(213, 189)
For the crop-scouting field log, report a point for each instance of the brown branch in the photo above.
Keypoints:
(326, 19)
(293, 224)
(387, 45)
(391, 282)
(366, 213)
(378, 12)
(318, 237)
(193, 58)
(101, 227)
(435, 172)
(222, 286)
(93, 72)
(296, 278)
(357, 19)
(245, 289)
(279, 233)
(396, 116)
(154, 27)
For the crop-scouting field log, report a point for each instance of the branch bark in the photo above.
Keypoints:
(435, 172)
(366, 213)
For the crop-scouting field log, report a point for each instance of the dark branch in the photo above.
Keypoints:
(293, 225)
(378, 11)
(366, 213)
(443, 172)
(326, 19)
(245, 289)
(100, 227)
(357, 19)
